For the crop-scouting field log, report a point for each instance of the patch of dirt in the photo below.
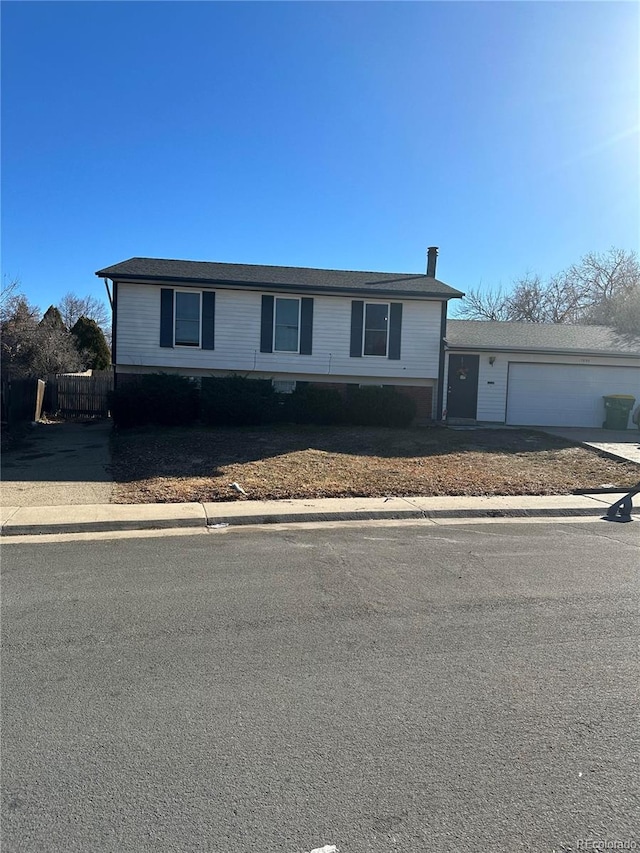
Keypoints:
(154, 465)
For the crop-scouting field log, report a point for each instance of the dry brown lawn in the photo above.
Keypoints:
(199, 464)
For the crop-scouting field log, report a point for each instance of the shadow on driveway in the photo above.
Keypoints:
(59, 464)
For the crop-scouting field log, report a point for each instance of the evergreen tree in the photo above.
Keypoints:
(53, 318)
(91, 343)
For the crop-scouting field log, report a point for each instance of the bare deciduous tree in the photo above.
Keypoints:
(605, 275)
(601, 289)
(72, 307)
(489, 304)
(10, 295)
(624, 313)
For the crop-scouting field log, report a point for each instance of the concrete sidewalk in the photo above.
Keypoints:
(619, 444)
(114, 517)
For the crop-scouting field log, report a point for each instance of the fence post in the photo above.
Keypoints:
(39, 400)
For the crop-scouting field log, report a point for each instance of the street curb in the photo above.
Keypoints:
(100, 526)
(214, 521)
(410, 515)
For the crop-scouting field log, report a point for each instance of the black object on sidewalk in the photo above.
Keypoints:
(621, 510)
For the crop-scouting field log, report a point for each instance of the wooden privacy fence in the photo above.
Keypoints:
(78, 396)
(19, 400)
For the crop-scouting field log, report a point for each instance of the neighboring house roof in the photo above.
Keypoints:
(253, 276)
(539, 337)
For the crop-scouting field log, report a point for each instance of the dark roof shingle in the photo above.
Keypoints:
(493, 334)
(286, 278)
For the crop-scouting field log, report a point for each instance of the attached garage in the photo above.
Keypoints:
(530, 374)
(565, 394)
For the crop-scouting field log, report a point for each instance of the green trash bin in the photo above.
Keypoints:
(617, 408)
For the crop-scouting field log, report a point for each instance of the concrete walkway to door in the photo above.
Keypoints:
(624, 444)
(59, 464)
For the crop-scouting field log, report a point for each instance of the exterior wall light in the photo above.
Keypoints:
(492, 358)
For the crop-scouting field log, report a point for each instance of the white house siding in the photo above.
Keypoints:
(493, 379)
(237, 340)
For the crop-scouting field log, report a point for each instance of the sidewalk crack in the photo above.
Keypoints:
(8, 519)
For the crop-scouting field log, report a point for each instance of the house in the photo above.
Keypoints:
(537, 374)
(287, 324)
(342, 327)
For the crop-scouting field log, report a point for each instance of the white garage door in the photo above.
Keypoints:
(565, 394)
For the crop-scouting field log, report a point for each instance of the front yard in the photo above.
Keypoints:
(199, 464)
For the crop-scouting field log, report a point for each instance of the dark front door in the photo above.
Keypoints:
(462, 399)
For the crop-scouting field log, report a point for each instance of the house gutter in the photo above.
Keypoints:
(541, 351)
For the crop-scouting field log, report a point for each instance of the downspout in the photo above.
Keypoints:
(114, 331)
(106, 280)
(432, 260)
(443, 336)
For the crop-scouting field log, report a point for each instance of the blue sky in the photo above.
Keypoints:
(341, 135)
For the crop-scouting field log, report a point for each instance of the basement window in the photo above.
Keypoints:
(284, 386)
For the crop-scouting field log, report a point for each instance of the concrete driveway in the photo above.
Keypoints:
(622, 443)
(59, 464)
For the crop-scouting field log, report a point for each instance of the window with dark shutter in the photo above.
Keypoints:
(395, 329)
(376, 329)
(187, 318)
(266, 325)
(357, 311)
(166, 317)
(208, 319)
(306, 326)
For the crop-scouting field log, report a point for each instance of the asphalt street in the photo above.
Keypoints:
(411, 688)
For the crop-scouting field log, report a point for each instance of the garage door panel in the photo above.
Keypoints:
(565, 394)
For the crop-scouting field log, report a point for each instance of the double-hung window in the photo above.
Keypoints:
(187, 319)
(376, 329)
(286, 328)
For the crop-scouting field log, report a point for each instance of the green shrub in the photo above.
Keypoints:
(172, 400)
(309, 404)
(155, 398)
(237, 401)
(378, 406)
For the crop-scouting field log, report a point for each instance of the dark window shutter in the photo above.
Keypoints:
(306, 326)
(357, 319)
(266, 325)
(166, 317)
(208, 319)
(395, 329)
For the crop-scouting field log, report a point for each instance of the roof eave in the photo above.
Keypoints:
(281, 287)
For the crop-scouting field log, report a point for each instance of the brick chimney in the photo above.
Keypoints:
(432, 257)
